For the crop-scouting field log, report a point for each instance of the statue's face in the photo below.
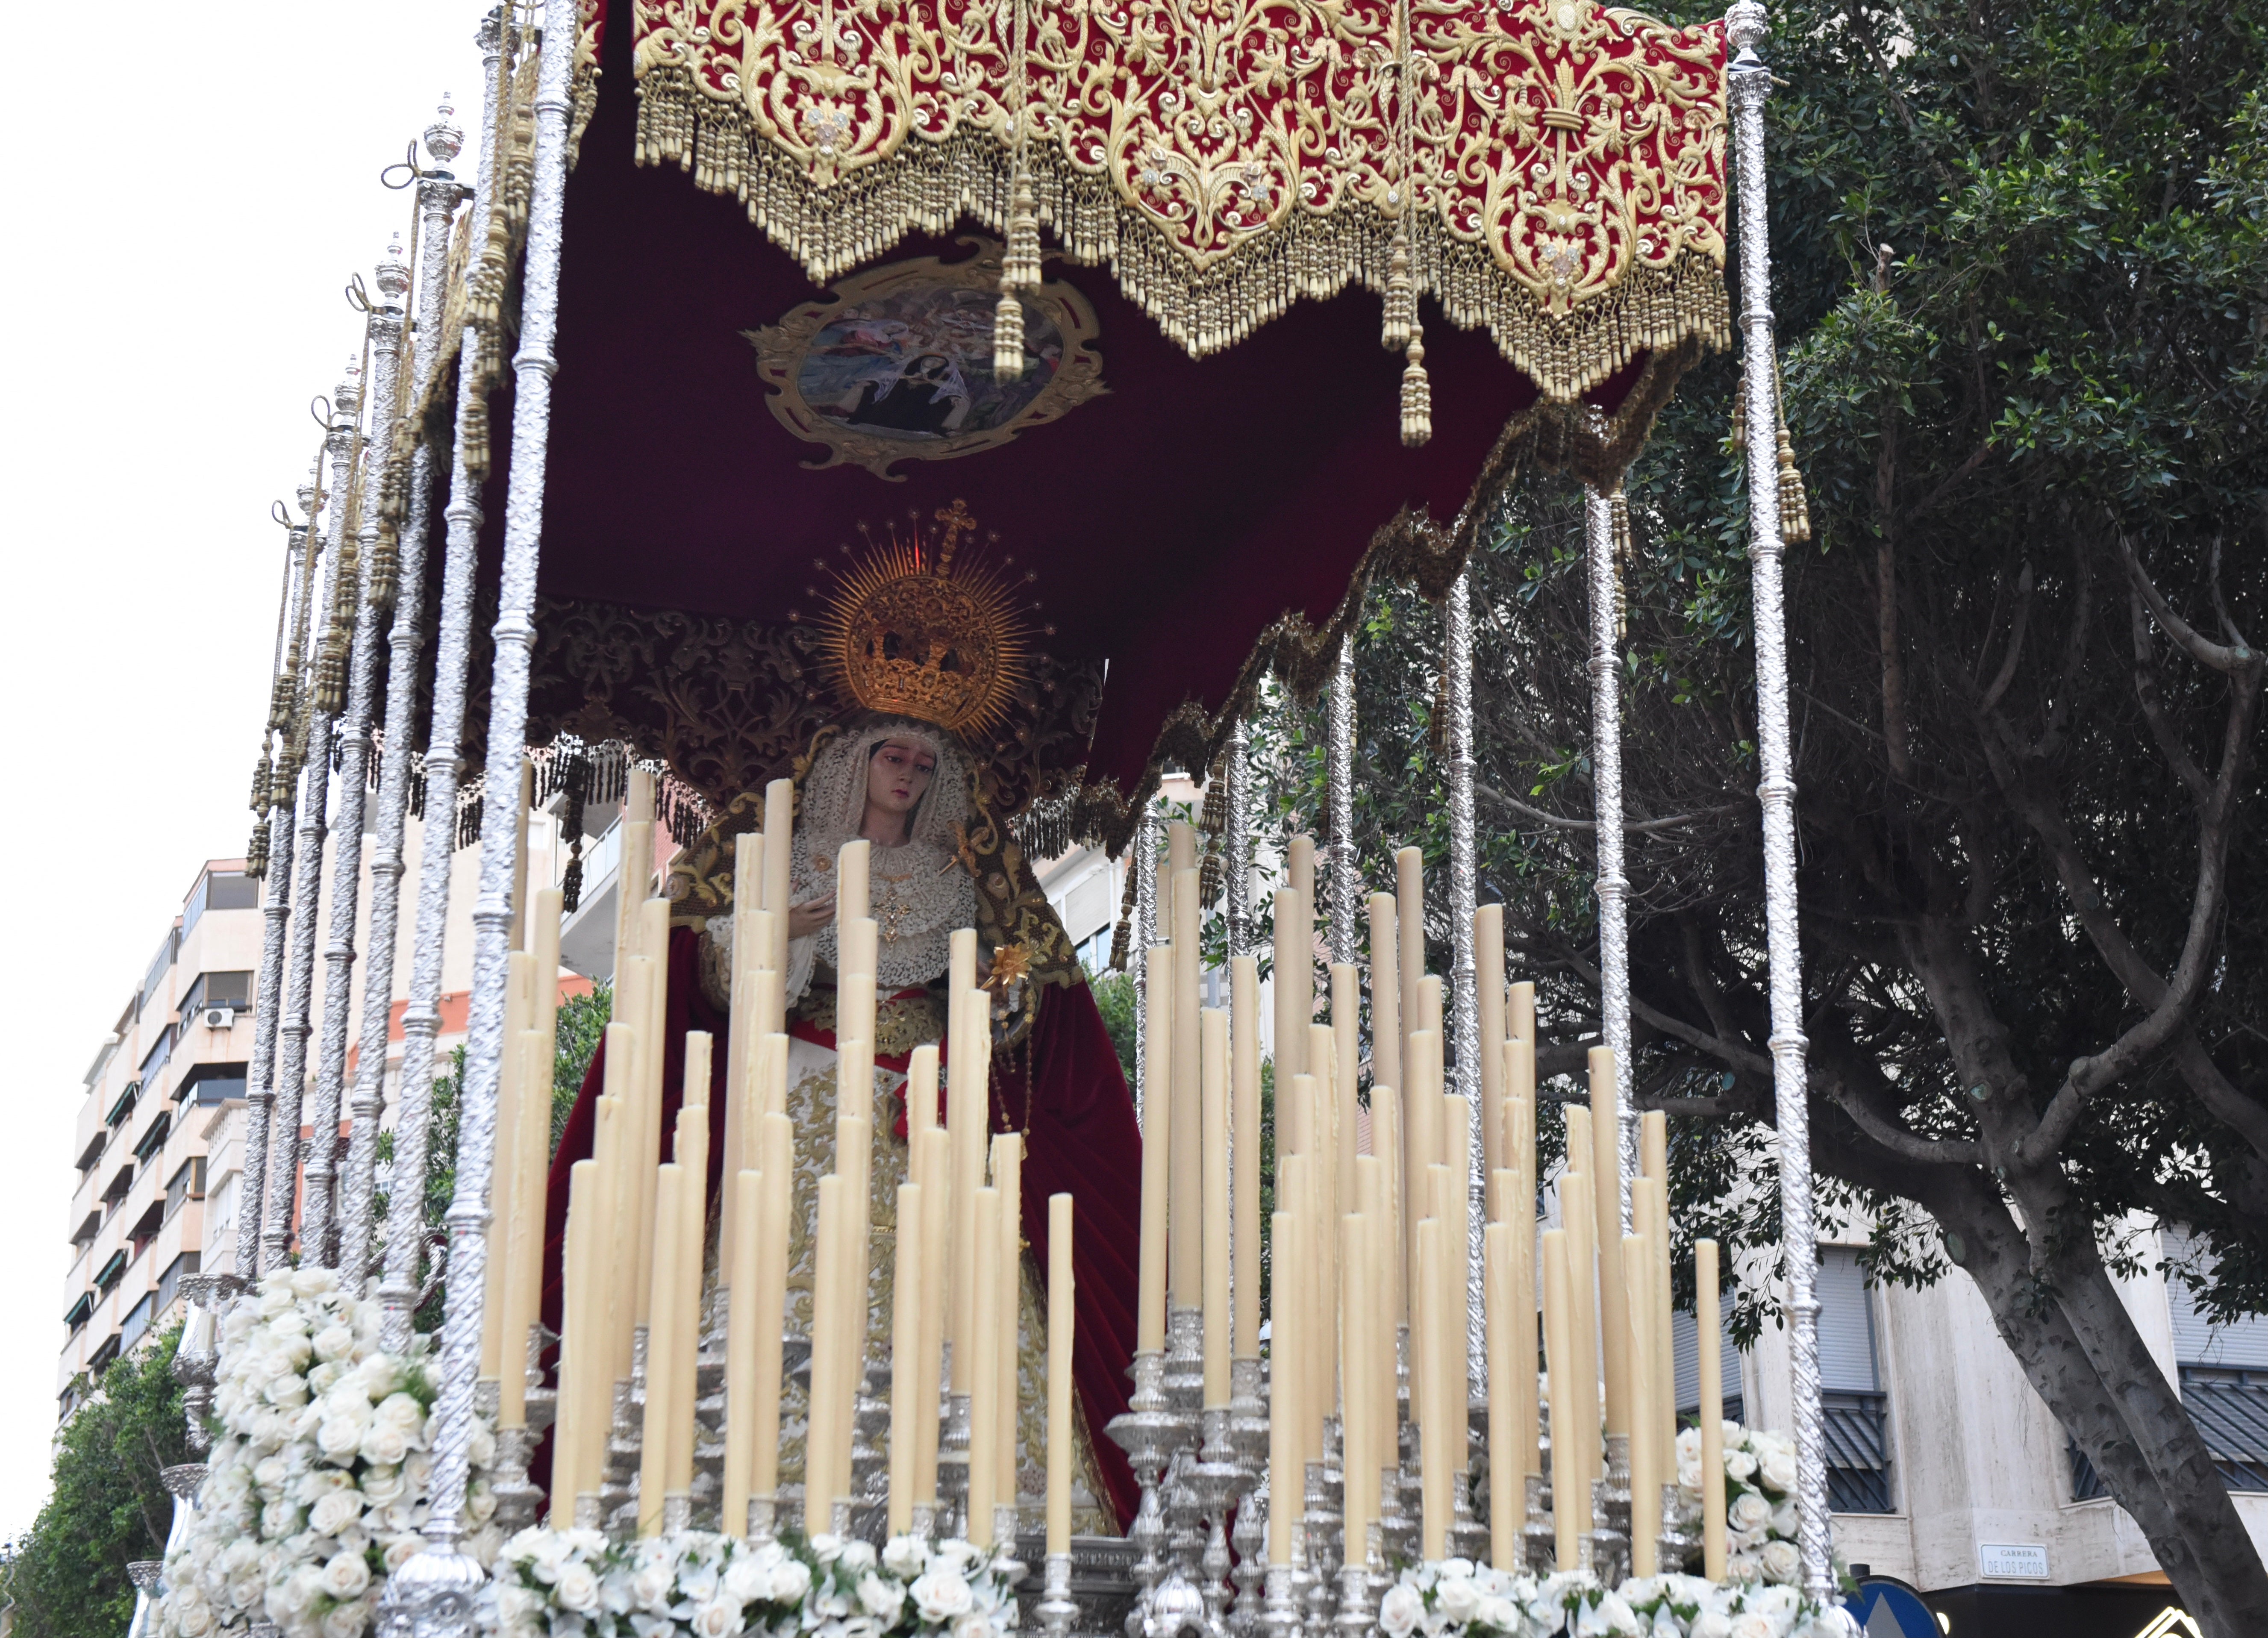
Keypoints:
(898, 775)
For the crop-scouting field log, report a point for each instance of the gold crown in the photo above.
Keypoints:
(933, 640)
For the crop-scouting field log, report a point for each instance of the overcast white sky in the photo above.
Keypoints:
(187, 199)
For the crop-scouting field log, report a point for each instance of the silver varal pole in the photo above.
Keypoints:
(438, 194)
(276, 917)
(1613, 885)
(384, 331)
(1236, 845)
(1747, 27)
(1464, 986)
(1338, 767)
(421, 1015)
(434, 1590)
(1142, 859)
(314, 797)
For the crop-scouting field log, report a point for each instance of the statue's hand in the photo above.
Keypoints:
(805, 918)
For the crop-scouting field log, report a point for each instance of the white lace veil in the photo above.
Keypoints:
(920, 892)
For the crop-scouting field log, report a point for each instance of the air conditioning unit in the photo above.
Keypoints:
(219, 1017)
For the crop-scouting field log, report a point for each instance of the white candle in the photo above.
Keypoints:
(779, 836)
(829, 1368)
(1061, 1329)
(851, 895)
(984, 1394)
(1410, 924)
(1157, 1149)
(1384, 999)
(1711, 1415)
(1244, 1121)
(936, 1222)
(1645, 1462)
(905, 1357)
(1291, 992)
(776, 1149)
(661, 1349)
(740, 1327)
(1008, 1177)
(1569, 1516)
(1185, 1236)
(1285, 1474)
(1507, 1495)
(1214, 1053)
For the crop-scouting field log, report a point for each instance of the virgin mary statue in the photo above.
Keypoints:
(939, 861)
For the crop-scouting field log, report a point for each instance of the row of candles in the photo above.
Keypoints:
(1372, 1238)
(637, 1228)
(1372, 1231)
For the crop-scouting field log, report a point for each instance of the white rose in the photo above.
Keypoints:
(334, 1512)
(1739, 1464)
(972, 1626)
(885, 1600)
(481, 1453)
(382, 1485)
(1754, 1624)
(377, 1376)
(401, 1548)
(577, 1589)
(719, 1617)
(1712, 1624)
(1612, 1615)
(1400, 1611)
(651, 1586)
(400, 1410)
(1780, 1603)
(334, 1342)
(271, 1473)
(747, 1580)
(859, 1557)
(194, 1617)
(339, 1440)
(941, 1594)
(383, 1447)
(346, 1575)
(1498, 1614)
(347, 1620)
(1783, 1520)
(313, 1281)
(1776, 1468)
(1781, 1561)
(790, 1582)
(904, 1556)
(1749, 1511)
(293, 1596)
(279, 1519)
(1457, 1598)
(324, 1377)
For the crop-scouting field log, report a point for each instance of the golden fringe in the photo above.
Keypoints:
(933, 187)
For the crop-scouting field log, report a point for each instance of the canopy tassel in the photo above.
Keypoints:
(1417, 393)
(1618, 506)
(1401, 308)
(1020, 270)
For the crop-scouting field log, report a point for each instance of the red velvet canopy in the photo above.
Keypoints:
(1169, 522)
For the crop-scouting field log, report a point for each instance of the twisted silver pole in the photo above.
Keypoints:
(442, 1570)
(1338, 767)
(1612, 886)
(1464, 984)
(421, 1016)
(383, 332)
(292, 1057)
(437, 196)
(1236, 845)
(275, 913)
(1749, 85)
(1142, 859)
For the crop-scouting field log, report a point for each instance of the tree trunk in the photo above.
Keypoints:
(2082, 1354)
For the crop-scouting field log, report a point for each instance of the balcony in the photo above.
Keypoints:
(1858, 1451)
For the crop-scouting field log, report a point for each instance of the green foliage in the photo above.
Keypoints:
(582, 1026)
(1114, 999)
(67, 1576)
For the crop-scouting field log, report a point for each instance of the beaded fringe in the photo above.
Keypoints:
(833, 225)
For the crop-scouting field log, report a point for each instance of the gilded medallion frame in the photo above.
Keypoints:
(1055, 314)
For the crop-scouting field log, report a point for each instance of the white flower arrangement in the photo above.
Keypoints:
(1760, 1510)
(320, 1469)
(1457, 1598)
(579, 1583)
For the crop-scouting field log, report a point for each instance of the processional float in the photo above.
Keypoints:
(1197, 461)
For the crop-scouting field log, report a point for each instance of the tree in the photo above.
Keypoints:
(109, 1506)
(2020, 260)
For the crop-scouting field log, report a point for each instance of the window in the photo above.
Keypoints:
(84, 1235)
(153, 986)
(216, 989)
(1095, 954)
(1857, 1409)
(90, 1157)
(1685, 1361)
(119, 1185)
(219, 890)
(137, 1321)
(169, 1283)
(123, 1105)
(158, 1054)
(204, 1084)
(112, 1273)
(76, 1314)
(2223, 1369)
(154, 1139)
(103, 1356)
(188, 1184)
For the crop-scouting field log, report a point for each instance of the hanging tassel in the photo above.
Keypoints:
(279, 700)
(1399, 307)
(1008, 338)
(1416, 395)
(1618, 508)
(255, 856)
(260, 776)
(1794, 506)
(1437, 732)
(1209, 881)
(1739, 440)
(284, 781)
(1122, 939)
(385, 572)
(331, 673)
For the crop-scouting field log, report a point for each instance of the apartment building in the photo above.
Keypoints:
(175, 1058)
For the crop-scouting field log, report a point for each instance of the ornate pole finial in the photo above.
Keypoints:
(444, 139)
(393, 273)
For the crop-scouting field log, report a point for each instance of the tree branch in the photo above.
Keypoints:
(2154, 706)
(2225, 658)
(1629, 826)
